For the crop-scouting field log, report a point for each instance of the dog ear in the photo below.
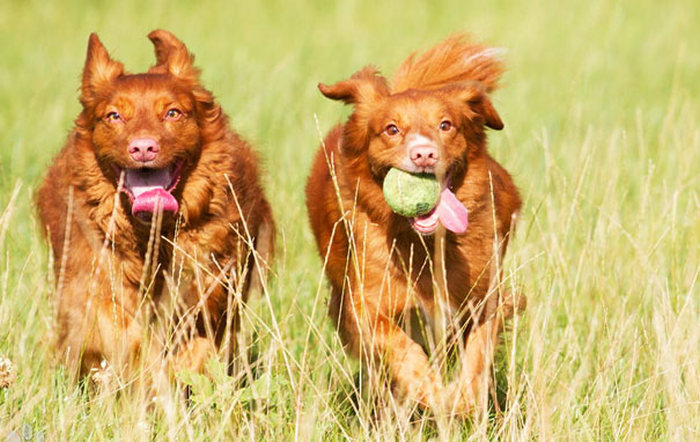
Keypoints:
(491, 117)
(475, 97)
(99, 68)
(365, 85)
(363, 89)
(172, 56)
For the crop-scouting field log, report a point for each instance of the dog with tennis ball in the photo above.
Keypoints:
(412, 217)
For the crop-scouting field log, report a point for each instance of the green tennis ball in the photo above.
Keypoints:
(410, 194)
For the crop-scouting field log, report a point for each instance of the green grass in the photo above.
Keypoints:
(601, 105)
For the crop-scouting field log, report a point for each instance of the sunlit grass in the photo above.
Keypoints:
(601, 106)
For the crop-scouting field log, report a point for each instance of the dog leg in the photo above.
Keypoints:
(474, 380)
(382, 344)
(96, 332)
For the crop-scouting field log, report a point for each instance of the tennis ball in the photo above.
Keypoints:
(410, 194)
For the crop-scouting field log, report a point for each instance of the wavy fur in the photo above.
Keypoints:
(454, 60)
(184, 276)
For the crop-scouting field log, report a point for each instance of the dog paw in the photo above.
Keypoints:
(460, 399)
(194, 355)
(103, 378)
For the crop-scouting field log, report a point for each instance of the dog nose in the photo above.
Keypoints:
(143, 149)
(424, 155)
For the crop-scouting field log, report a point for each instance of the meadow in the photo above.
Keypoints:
(601, 104)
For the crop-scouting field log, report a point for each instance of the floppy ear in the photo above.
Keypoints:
(485, 108)
(365, 88)
(172, 56)
(474, 95)
(364, 85)
(99, 69)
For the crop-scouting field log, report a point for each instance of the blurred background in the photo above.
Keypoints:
(600, 103)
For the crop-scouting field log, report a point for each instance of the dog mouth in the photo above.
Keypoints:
(449, 211)
(426, 224)
(150, 190)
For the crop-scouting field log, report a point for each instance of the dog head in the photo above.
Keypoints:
(146, 129)
(417, 130)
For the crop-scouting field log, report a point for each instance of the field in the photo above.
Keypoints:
(602, 110)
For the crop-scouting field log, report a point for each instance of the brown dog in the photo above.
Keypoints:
(155, 211)
(430, 119)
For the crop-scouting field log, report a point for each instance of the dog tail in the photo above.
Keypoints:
(452, 61)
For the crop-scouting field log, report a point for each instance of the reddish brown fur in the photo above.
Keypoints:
(374, 289)
(111, 285)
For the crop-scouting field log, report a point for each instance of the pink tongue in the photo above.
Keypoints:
(452, 213)
(148, 201)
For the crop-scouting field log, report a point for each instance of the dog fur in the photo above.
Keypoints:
(380, 269)
(181, 275)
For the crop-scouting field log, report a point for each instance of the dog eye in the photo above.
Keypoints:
(446, 125)
(173, 114)
(113, 117)
(391, 130)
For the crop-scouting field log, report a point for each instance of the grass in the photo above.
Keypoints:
(601, 105)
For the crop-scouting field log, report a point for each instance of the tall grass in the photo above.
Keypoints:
(602, 135)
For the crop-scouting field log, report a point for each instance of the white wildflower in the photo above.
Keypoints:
(7, 372)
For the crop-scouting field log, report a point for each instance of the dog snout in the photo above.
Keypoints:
(424, 155)
(143, 150)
